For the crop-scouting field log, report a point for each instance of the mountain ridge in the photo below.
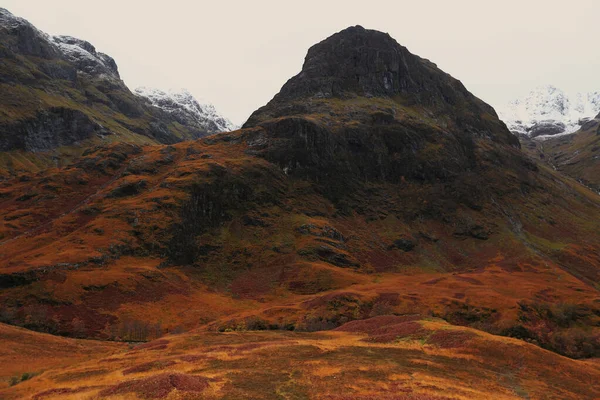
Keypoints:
(548, 111)
(61, 95)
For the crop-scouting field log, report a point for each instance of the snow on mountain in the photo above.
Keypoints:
(84, 55)
(548, 111)
(187, 110)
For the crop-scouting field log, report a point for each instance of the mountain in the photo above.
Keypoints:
(576, 155)
(185, 109)
(60, 95)
(365, 108)
(373, 197)
(548, 111)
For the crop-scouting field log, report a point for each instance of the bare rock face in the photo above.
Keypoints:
(49, 129)
(19, 36)
(364, 107)
(84, 55)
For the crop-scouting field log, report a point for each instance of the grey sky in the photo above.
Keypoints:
(238, 54)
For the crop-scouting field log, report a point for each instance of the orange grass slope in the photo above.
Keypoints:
(94, 249)
(380, 358)
(24, 353)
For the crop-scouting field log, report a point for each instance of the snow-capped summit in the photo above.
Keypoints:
(182, 105)
(549, 111)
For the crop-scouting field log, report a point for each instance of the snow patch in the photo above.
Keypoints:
(184, 104)
(551, 108)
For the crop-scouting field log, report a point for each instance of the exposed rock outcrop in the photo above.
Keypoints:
(50, 128)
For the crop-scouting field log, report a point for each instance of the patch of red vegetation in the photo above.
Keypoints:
(434, 281)
(324, 300)
(390, 298)
(64, 391)
(386, 329)
(111, 360)
(192, 358)
(448, 339)
(160, 344)
(251, 285)
(472, 281)
(411, 396)
(150, 366)
(245, 347)
(159, 386)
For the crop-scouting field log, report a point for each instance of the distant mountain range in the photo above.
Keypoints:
(548, 111)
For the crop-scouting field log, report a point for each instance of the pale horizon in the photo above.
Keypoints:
(237, 55)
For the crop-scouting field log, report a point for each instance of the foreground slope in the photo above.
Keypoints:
(59, 95)
(24, 353)
(373, 183)
(378, 358)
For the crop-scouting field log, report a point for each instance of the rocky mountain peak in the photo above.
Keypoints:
(84, 55)
(365, 108)
(549, 111)
(185, 109)
(363, 62)
(20, 36)
(359, 63)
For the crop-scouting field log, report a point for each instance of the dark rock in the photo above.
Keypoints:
(49, 129)
(129, 189)
(403, 244)
(252, 221)
(22, 37)
(547, 128)
(84, 56)
(475, 231)
(8, 281)
(428, 237)
(306, 229)
(330, 255)
(332, 233)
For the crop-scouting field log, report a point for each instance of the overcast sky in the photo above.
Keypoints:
(238, 54)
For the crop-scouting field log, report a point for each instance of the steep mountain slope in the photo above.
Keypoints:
(576, 155)
(548, 111)
(372, 184)
(187, 111)
(60, 95)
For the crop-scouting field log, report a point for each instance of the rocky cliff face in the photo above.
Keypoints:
(85, 57)
(364, 107)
